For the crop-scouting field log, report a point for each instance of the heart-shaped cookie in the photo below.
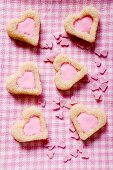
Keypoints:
(26, 28)
(83, 25)
(68, 71)
(86, 120)
(25, 81)
(32, 127)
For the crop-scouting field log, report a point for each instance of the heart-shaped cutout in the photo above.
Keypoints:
(87, 121)
(68, 71)
(32, 127)
(25, 81)
(83, 25)
(26, 28)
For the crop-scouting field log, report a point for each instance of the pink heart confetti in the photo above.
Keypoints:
(59, 41)
(74, 153)
(104, 53)
(94, 76)
(42, 102)
(102, 69)
(80, 44)
(68, 105)
(65, 42)
(98, 62)
(80, 147)
(59, 114)
(46, 59)
(61, 144)
(75, 135)
(52, 56)
(73, 100)
(104, 87)
(97, 95)
(50, 44)
(51, 147)
(57, 35)
(103, 79)
(56, 106)
(62, 102)
(51, 154)
(44, 45)
(64, 35)
(97, 52)
(67, 157)
(56, 99)
(71, 128)
(84, 155)
(95, 86)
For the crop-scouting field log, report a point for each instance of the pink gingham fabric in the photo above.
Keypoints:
(32, 156)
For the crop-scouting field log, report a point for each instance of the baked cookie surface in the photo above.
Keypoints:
(84, 24)
(86, 120)
(68, 72)
(32, 127)
(26, 28)
(25, 81)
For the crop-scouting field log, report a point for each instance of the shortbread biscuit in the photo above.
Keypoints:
(26, 28)
(25, 81)
(68, 72)
(86, 120)
(32, 127)
(84, 24)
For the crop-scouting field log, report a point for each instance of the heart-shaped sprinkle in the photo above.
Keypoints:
(103, 79)
(67, 157)
(73, 100)
(75, 135)
(51, 147)
(102, 69)
(51, 154)
(59, 114)
(52, 56)
(65, 42)
(61, 144)
(95, 86)
(27, 27)
(97, 95)
(98, 62)
(33, 126)
(97, 52)
(62, 102)
(50, 44)
(74, 153)
(84, 155)
(84, 24)
(68, 105)
(94, 76)
(56, 99)
(71, 128)
(104, 53)
(44, 45)
(42, 102)
(80, 147)
(57, 35)
(67, 72)
(56, 106)
(103, 86)
(83, 118)
(64, 35)
(59, 41)
(26, 81)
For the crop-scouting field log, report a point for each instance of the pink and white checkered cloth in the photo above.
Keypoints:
(32, 156)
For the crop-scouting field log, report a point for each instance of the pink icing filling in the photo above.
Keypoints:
(87, 122)
(26, 81)
(33, 126)
(67, 72)
(84, 24)
(27, 27)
